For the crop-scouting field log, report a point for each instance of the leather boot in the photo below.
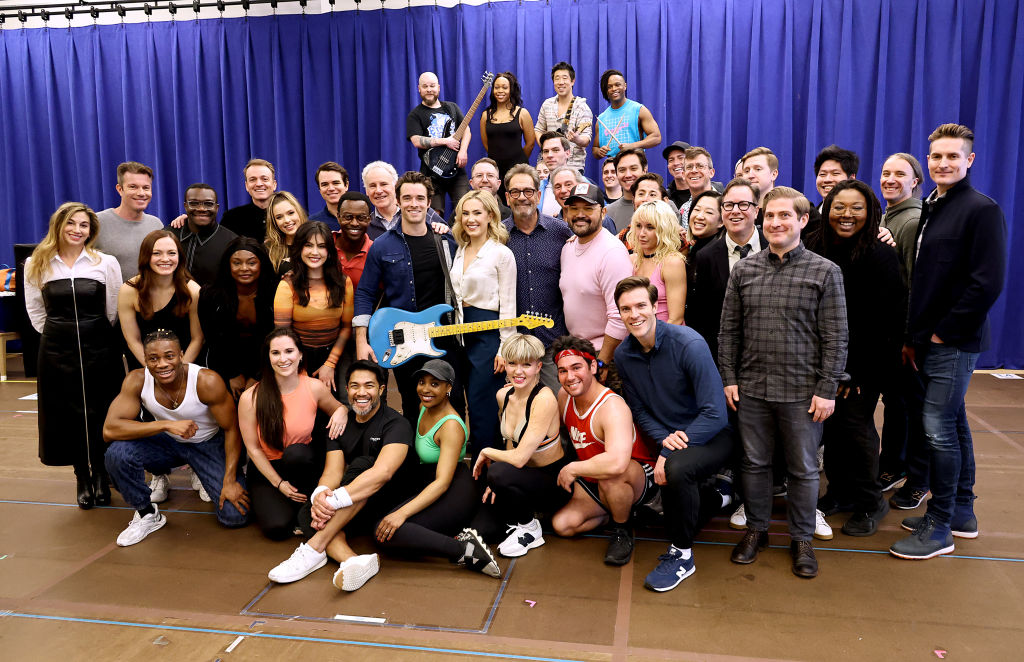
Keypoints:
(101, 487)
(86, 496)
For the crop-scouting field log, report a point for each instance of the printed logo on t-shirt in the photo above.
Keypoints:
(579, 438)
(439, 124)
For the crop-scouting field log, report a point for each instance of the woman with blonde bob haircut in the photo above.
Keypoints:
(654, 236)
(483, 277)
(284, 217)
(522, 478)
(71, 299)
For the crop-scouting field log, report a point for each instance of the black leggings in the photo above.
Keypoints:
(431, 531)
(275, 512)
(518, 495)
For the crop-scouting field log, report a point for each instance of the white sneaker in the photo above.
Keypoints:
(158, 488)
(822, 531)
(522, 538)
(739, 518)
(197, 485)
(140, 527)
(303, 561)
(356, 571)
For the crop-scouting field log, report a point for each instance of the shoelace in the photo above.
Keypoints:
(667, 558)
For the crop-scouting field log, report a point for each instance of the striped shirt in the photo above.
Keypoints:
(581, 120)
(316, 323)
(784, 334)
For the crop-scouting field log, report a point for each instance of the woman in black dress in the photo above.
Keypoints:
(236, 312)
(506, 128)
(71, 299)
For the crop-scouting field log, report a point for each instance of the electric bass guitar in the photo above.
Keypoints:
(397, 335)
(441, 160)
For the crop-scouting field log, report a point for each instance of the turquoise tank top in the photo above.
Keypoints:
(426, 448)
(623, 123)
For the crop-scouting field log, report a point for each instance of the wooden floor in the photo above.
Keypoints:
(194, 591)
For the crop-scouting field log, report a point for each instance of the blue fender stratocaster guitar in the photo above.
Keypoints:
(397, 335)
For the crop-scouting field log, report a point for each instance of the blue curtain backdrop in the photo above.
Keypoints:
(196, 99)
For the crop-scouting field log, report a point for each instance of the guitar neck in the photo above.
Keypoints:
(471, 327)
(469, 115)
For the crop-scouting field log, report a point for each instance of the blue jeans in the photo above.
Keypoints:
(481, 382)
(762, 424)
(946, 372)
(127, 462)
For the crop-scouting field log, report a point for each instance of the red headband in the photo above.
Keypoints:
(573, 352)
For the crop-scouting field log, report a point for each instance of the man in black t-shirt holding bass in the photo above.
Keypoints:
(431, 124)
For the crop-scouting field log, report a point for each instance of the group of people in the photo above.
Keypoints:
(706, 341)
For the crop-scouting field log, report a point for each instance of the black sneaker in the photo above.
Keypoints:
(925, 542)
(907, 498)
(891, 480)
(829, 505)
(477, 556)
(864, 524)
(620, 547)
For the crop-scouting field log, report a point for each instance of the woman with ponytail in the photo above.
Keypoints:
(276, 417)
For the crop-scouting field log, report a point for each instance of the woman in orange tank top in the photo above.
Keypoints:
(276, 418)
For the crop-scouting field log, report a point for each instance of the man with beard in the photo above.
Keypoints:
(203, 241)
(431, 124)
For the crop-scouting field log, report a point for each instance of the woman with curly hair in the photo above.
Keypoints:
(506, 128)
(654, 236)
(71, 299)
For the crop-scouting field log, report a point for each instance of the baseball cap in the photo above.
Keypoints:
(437, 368)
(587, 192)
(679, 144)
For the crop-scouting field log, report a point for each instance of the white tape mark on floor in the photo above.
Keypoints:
(359, 619)
(234, 643)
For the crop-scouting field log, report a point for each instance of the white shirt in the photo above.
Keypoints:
(105, 269)
(730, 247)
(488, 282)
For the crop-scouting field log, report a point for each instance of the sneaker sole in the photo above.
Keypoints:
(916, 505)
(160, 525)
(944, 550)
(895, 485)
(859, 534)
(479, 542)
(513, 555)
(678, 582)
(737, 525)
(319, 565)
(820, 536)
(354, 580)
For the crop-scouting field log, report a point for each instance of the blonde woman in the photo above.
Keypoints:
(71, 299)
(654, 236)
(484, 279)
(284, 216)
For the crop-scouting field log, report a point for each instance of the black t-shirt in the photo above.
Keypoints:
(202, 253)
(426, 270)
(247, 220)
(433, 122)
(367, 439)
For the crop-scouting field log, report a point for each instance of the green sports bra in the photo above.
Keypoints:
(426, 448)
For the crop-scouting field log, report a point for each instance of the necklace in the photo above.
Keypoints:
(648, 257)
(174, 401)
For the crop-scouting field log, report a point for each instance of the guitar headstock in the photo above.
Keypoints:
(531, 321)
(487, 78)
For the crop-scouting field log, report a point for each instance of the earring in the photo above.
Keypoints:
(449, 393)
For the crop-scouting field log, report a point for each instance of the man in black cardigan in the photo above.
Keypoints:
(959, 272)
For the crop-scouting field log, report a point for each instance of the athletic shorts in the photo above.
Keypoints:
(648, 493)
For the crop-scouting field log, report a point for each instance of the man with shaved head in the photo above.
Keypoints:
(431, 124)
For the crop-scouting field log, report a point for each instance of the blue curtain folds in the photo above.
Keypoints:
(196, 99)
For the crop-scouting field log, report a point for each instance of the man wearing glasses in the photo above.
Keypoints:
(536, 242)
(698, 169)
(484, 177)
(203, 240)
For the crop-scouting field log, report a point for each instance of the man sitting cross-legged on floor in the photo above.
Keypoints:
(196, 424)
(615, 469)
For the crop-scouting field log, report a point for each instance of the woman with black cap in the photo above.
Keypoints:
(429, 521)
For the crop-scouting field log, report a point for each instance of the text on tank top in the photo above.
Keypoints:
(581, 431)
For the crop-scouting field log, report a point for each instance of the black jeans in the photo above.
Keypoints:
(687, 505)
(275, 513)
(519, 493)
(456, 187)
(851, 451)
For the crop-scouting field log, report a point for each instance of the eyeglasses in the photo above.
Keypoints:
(689, 167)
(485, 175)
(354, 217)
(200, 204)
(522, 192)
(743, 205)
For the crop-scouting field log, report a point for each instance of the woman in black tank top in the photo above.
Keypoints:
(506, 128)
(522, 479)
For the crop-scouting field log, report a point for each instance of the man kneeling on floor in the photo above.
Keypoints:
(195, 424)
(615, 469)
(675, 392)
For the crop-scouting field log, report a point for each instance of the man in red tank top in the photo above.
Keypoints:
(614, 471)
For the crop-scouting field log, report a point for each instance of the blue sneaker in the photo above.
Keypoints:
(925, 541)
(672, 569)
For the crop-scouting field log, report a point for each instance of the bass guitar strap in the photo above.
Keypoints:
(449, 290)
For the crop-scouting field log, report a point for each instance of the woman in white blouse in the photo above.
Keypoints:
(71, 299)
(484, 278)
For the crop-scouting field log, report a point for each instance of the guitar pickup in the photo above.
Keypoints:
(396, 337)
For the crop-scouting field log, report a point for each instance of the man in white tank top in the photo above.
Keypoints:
(195, 423)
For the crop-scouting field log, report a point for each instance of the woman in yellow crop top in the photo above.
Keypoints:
(522, 479)
(315, 300)
(276, 417)
(428, 522)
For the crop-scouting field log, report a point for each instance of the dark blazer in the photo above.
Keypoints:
(706, 292)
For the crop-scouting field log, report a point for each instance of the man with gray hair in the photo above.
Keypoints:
(379, 179)
(431, 124)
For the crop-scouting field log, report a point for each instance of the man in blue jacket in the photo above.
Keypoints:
(675, 392)
(959, 271)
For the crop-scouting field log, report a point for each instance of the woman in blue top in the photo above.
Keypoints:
(428, 522)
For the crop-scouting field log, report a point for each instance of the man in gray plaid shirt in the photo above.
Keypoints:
(782, 351)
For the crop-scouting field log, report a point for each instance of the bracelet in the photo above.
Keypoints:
(279, 483)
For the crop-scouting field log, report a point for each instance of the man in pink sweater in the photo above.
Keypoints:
(593, 263)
